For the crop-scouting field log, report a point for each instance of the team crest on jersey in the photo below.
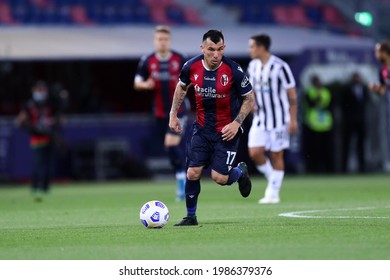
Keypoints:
(224, 79)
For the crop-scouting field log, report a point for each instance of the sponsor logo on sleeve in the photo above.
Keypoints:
(245, 82)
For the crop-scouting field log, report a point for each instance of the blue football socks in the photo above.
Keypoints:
(234, 175)
(192, 193)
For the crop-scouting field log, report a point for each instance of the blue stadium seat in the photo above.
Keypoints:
(257, 14)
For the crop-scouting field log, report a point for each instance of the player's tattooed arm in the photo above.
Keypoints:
(230, 130)
(178, 98)
(246, 107)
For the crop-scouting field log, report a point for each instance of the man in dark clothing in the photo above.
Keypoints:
(355, 99)
(40, 117)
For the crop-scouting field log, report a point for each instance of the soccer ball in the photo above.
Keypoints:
(154, 214)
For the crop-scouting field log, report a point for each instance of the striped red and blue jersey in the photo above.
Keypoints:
(218, 92)
(42, 116)
(165, 73)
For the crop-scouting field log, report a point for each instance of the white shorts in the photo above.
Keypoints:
(274, 140)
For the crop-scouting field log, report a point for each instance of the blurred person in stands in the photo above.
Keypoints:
(41, 117)
(354, 104)
(317, 127)
(275, 114)
(159, 72)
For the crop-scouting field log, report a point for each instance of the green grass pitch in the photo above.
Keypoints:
(339, 218)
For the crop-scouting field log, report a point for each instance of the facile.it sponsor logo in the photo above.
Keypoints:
(209, 92)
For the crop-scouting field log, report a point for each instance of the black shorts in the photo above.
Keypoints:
(163, 127)
(206, 148)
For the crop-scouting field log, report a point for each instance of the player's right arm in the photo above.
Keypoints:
(377, 89)
(142, 79)
(380, 88)
(178, 98)
(144, 85)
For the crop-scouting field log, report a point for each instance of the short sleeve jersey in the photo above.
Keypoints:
(165, 73)
(218, 92)
(384, 76)
(43, 116)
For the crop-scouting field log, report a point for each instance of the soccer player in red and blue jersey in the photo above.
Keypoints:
(159, 72)
(382, 54)
(224, 98)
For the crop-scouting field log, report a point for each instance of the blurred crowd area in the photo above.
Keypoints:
(99, 102)
(308, 13)
(332, 15)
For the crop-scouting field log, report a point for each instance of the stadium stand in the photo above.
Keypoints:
(96, 12)
(299, 13)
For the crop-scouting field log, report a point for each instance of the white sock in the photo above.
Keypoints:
(275, 183)
(180, 175)
(181, 183)
(266, 169)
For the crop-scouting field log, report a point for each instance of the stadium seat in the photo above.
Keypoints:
(314, 13)
(78, 14)
(291, 15)
(257, 14)
(332, 16)
(6, 16)
(309, 3)
(43, 4)
(159, 15)
(161, 3)
(175, 14)
(142, 14)
(192, 16)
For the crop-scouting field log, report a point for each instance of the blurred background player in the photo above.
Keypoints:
(318, 123)
(159, 72)
(275, 113)
(224, 98)
(40, 117)
(355, 100)
(382, 54)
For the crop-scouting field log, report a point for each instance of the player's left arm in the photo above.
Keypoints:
(292, 99)
(244, 87)
(288, 82)
(230, 130)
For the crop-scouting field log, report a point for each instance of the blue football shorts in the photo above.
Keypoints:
(205, 147)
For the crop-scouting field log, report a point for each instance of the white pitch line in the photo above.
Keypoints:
(301, 214)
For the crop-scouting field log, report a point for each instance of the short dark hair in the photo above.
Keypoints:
(214, 35)
(384, 47)
(262, 40)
